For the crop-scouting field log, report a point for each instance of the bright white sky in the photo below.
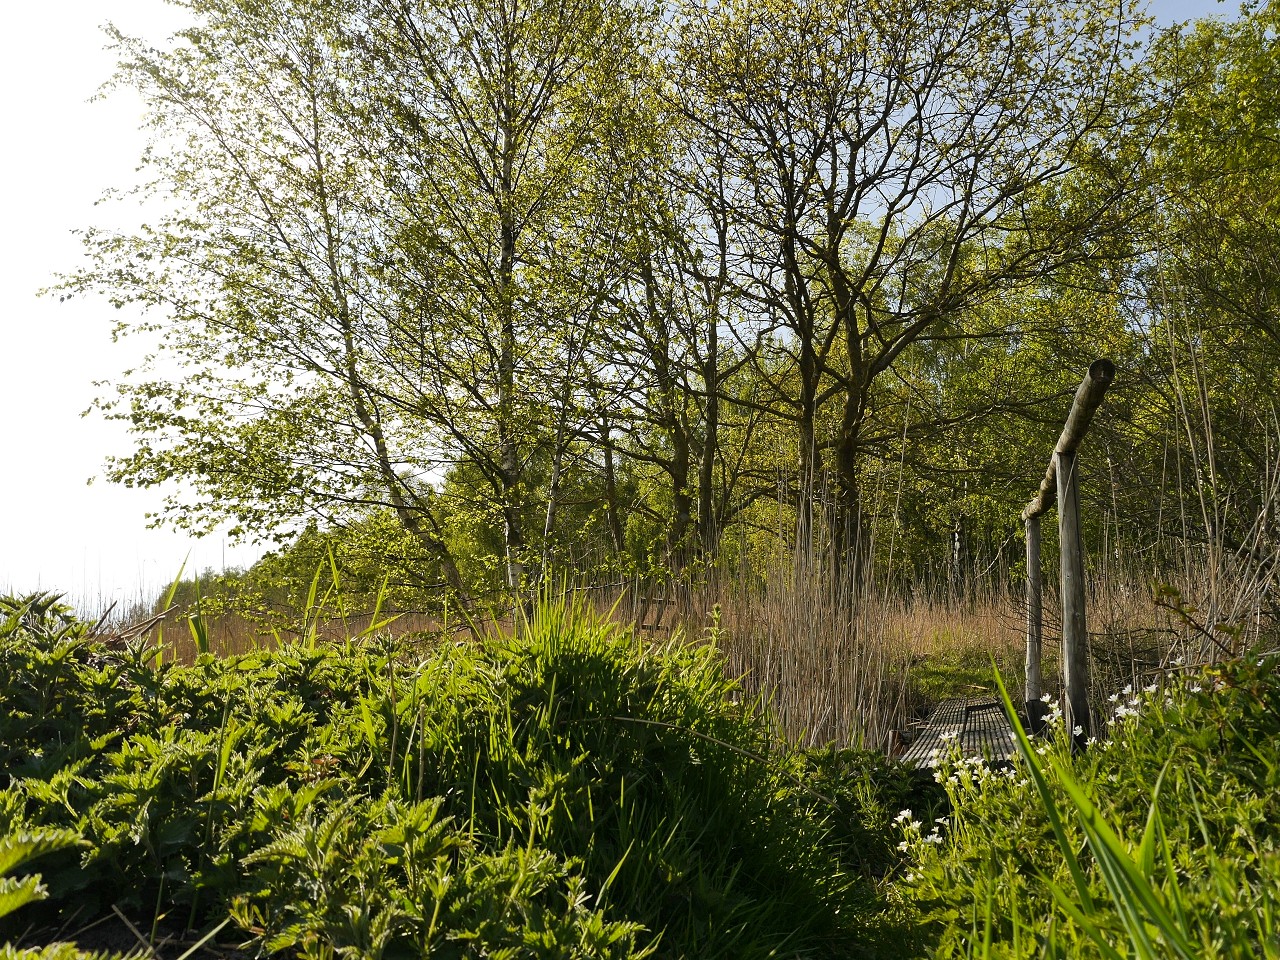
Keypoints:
(59, 153)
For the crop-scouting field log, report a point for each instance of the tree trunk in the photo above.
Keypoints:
(809, 458)
(708, 522)
(510, 468)
(611, 491)
(849, 536)
(553, 490)
(681, 497)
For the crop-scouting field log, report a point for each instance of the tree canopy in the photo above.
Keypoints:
(548, 284)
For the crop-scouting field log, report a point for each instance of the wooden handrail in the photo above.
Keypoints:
(1060, 486)
(1088, 398)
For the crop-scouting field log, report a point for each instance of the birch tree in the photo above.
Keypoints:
(385, 237)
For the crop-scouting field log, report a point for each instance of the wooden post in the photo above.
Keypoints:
(1088, 398)
(1060, 484)
(1035, 626)
(1075, 635)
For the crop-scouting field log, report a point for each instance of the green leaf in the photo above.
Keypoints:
(15, 893)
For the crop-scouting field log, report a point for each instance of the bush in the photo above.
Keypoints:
(1161, 840)
(565, 791)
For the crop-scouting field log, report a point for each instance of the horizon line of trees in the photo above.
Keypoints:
(494, 289)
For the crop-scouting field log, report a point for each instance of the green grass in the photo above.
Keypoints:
(1162, 840)
(564, 791)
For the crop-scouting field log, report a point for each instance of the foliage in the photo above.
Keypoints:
(491, 279)
(565, 790)
(867, 790)
(16, 849)
(19, 846)
(1161, 840)
(361, 563)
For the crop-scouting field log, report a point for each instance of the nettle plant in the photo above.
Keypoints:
(565, 790)
(1159, 839)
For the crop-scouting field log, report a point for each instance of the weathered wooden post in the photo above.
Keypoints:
(1035, 625)
(1060, 483)
(1075, 635)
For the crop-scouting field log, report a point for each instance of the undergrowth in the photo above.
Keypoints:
(563, 791)
(1160, 840)
(569, 790)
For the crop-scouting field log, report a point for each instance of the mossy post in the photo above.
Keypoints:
(1060, 484)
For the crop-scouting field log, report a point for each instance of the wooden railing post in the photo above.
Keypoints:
(1035, 625)
(1060, 484)
(1075, 635)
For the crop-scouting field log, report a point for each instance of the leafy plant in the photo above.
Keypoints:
(1160, 840)
(16, 850)
(565, 789)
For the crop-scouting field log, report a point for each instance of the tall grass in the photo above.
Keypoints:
(829, 654)
(560, 790)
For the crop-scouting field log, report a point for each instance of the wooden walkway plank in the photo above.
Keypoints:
(980, 727)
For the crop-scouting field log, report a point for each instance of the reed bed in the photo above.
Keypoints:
(852, 662)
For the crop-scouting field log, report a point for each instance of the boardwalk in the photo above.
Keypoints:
(980, 726)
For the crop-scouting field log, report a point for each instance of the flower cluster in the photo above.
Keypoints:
(1054, 718)
(911, 828)
(1128, 704)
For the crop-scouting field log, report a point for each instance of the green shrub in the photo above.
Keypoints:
(17, 849)
(565, 791)
(1163, 839)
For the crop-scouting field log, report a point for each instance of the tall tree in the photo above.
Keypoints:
(504, 118)
(889, 166)
(259, 273)
(387, 237)
(1211, 279)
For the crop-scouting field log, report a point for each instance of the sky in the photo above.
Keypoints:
(58, 153)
